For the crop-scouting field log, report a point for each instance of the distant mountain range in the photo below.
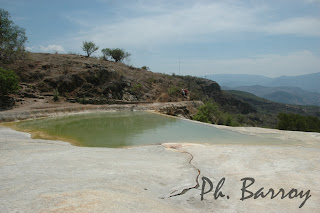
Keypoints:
(310, 82)
(287, 95)
(299, 90)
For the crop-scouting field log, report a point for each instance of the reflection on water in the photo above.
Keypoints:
(119, 129)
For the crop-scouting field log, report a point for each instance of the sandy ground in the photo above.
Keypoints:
(53, 176)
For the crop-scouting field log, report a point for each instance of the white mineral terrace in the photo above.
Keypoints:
(53, 176)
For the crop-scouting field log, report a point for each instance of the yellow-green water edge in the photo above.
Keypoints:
(122, 129)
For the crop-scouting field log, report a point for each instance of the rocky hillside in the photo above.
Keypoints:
(79, 79)
(94, 81)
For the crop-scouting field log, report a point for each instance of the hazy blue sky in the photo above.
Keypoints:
(267, 37)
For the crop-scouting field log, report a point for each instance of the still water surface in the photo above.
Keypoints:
(121, 129)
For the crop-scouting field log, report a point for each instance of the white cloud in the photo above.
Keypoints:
(172, 26)
(29, 49)
(190, 22)
(52, 48)
(304, 26)
(296, 63)
(149, 26)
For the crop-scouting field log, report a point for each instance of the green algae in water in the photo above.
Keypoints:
(121, 129)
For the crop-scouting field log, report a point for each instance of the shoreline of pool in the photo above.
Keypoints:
(16, 114)
(310, 138)
(254, 131)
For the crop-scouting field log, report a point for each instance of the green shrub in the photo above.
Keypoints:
(145, 68)
(83, 100)
(210, 113)
(173, 91)
(229, 120)
(55, 95)
(136, 88)
(151, 80)
(296, 122)
(132, 67)
(196, 95)
(207, 113)
(240, 118)
(9, 82)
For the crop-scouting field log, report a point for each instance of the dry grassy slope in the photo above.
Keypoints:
(79, 77)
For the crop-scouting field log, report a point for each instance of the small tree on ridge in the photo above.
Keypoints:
(89, 47)
(117, 54)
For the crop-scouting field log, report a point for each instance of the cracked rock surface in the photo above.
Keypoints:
(53, 176)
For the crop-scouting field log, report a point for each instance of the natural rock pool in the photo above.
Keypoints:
(121, 129)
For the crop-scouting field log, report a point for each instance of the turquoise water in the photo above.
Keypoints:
(121, 129)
